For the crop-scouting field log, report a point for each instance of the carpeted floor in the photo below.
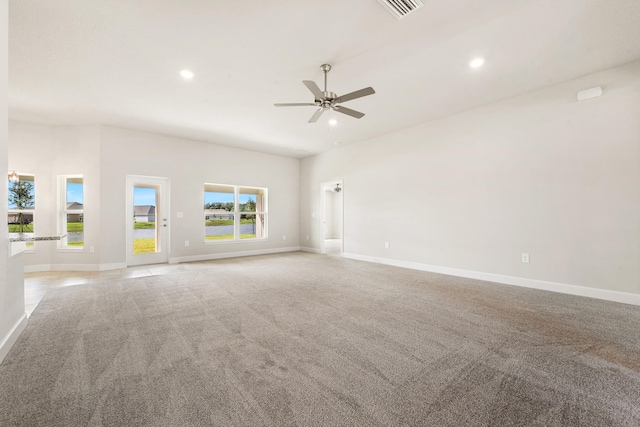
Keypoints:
(310, 340)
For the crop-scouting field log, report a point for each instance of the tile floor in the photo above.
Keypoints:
(37, 284)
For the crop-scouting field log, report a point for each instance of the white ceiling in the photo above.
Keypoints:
(116, 62)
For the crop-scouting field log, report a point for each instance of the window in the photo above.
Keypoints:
(21, 208)
(252, 207)
(234, 213)
(71, 211)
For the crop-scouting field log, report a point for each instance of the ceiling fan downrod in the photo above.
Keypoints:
(325, 69)
(329, 97)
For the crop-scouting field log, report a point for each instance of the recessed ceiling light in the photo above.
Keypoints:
(476, 63)
(337, 143)
(333, 122)
(186, 74)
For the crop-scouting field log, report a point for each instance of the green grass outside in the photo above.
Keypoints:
(28, 228)
(226, 221)
(210, 222)
(15, 228)
(75, 226)
(229, 237)
(71, 226)
(144, 245)
(143, 225)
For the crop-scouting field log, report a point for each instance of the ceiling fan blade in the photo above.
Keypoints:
(357, 94)
(316, 115)
(348, 111)
(295, 104)
(313, 87)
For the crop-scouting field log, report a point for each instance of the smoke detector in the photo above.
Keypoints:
(401, 8)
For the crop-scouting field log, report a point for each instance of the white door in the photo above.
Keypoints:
(147, 220)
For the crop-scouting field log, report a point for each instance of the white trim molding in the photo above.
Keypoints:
(12, 336)
(111, 266)
(583, 291)
(207, 257)
(37, 268)
(309, 249)
(74, 267)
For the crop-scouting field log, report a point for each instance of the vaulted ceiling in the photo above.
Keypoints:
(117, 62)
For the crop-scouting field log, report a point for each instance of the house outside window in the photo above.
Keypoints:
(144, 213)
(21, 207)
(71, 211)
(233, 213)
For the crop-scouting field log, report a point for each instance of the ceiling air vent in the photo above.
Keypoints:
(401, 8)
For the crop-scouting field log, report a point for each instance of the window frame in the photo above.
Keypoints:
(30, 246)
(257, 213)
(237, 214)
(63, 244)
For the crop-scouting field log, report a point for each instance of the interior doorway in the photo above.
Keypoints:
(332, 197)
(147, 220)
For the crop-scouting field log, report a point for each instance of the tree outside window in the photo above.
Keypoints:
(232, 212)
(21, 206)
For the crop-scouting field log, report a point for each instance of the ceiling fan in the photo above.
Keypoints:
(325, 100)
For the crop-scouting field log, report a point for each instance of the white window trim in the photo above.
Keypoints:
(237, 214)
(62, 213)
(31, 248)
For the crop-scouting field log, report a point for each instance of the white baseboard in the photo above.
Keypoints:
(207, 257)
(583, 291)
(37, 268)
(74, 267)
(12, 336)
(308, 249)
(111, 266)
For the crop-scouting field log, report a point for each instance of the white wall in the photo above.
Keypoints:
(49, 151)
(105, 155)
(189, 165)
(30, 152)
(333, 214)
(12, 315)
(540, 173)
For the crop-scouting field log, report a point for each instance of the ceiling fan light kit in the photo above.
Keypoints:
(325, 100)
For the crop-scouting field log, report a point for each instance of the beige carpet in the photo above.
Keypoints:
(310, 340)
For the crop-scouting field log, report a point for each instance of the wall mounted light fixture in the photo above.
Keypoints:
(13, 177)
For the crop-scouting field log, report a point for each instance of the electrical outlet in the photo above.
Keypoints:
(307, 237)
(387, 245)
(92, 249)
(186, 243)
(525, 258)
(284, 237)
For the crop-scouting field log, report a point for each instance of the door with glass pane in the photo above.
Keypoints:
(147, 220)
